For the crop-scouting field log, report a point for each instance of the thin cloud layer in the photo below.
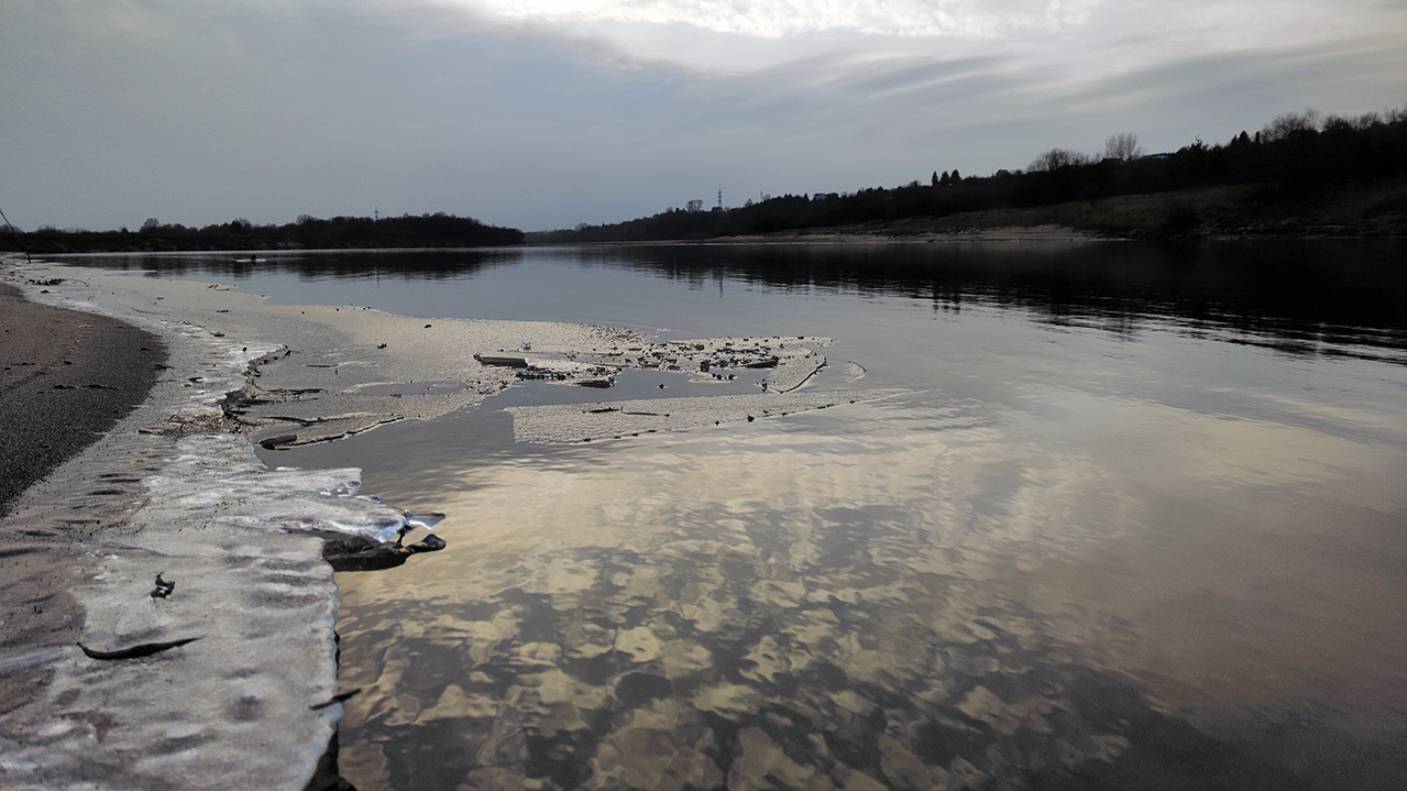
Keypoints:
(200, 111)
(778, 18)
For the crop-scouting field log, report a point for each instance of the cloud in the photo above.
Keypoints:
(197, 111)
(779, 18)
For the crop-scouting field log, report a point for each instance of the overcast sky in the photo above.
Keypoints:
(546, 113)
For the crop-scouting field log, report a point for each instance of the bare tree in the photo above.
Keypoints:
(1291, 124)
(1058, 158)
(1122, 146)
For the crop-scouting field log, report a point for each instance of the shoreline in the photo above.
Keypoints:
(1364, 211)
(1345, 211)
(168, 488)
(177, 488)
(913, 231)
(66, 378)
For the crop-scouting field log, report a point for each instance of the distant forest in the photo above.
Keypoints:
(1294, 155)
(426, 230)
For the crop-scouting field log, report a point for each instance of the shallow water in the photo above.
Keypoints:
(1128, 515)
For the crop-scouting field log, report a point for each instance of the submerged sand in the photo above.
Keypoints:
(244, 544)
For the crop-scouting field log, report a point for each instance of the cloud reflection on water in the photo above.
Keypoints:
(915, 594)
(1098, 545)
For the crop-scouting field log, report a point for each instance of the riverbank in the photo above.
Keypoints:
(54, 425)
(916, 231)
(66, 377)
(233, 672)
(1363, 210)
(1360, 210)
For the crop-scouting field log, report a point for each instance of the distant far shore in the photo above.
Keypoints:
(909, 232)
(437, 230)
(1349, 211)
(1364, 210)
(1356, 211)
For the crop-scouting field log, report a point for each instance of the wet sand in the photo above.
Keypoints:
(248, 688)
(65, 378)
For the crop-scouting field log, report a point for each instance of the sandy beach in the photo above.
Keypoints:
(65, 378)
(232, 673)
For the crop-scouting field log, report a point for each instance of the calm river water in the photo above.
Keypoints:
(1136, 517)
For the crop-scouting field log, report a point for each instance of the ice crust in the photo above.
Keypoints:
(356, 368)
(216, 471)
(617, 419)
(790, 362)
(243, 544)
(239, 541)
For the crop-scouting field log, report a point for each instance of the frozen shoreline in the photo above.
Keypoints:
(245, 544)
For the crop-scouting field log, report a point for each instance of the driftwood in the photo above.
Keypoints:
(340, 697)
(136, 651)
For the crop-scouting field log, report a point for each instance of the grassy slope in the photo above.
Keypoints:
(1378, 209)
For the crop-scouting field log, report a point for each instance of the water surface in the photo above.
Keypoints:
(1135, 517)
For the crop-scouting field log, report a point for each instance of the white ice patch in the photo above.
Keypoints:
(242, 544)
(218, 480)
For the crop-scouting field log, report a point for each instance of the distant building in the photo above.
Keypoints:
(694, 205)
(819, 196)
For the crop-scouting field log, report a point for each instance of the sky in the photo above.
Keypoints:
(546, 113)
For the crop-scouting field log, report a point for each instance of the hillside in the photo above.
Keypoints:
(1363, 210)
(1299, 175)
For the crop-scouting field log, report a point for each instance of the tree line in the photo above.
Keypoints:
(307, 232)
(1295, 154)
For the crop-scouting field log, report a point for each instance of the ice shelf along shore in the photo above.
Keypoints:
(225, 675)
(233, 672)
(350, 369)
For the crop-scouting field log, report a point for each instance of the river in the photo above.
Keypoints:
(1105, 515)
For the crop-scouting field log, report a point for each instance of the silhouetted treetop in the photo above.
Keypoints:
(307, 232)
(1122, 146)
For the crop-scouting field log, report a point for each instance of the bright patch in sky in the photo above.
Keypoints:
(778, 18)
